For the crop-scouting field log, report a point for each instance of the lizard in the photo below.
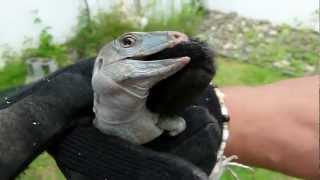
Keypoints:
(124, 72)
(39, 115)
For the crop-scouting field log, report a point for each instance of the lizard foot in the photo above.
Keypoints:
(175, 125)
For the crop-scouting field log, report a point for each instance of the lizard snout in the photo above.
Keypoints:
(178, 37)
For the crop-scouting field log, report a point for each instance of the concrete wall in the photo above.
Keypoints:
(292, 12)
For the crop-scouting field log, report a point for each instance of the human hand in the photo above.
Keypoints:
(85, 153)
(275, 126)
(43, 112)
(34, 116)
(55, 103)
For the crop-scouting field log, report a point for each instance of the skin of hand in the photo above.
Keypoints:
(276, 126)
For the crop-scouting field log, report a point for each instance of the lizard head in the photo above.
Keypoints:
(136, 82)
(125, 60)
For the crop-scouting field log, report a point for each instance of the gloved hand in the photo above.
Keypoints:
(58, 110)
(34, 116)
(85, 153)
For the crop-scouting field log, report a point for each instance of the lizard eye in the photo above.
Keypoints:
(128, 41)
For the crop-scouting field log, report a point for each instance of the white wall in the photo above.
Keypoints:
(16, 17)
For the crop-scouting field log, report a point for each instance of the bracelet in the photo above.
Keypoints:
(225, 126)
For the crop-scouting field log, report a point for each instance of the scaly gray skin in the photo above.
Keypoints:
(121, 81)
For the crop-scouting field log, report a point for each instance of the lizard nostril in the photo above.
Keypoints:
(178, 36)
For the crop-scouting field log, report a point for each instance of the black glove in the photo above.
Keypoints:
(34, 116)
(39, 115)
(86, 153)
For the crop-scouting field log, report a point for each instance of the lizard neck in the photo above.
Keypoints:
(121, 111)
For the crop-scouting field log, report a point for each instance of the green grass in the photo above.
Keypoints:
(12, 75)
(43, 168)
(89, 37)
(258, 174)
(229, 73)
(235, 73)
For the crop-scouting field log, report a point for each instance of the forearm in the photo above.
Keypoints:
(24, 133)
(276, 126)
(34, 116)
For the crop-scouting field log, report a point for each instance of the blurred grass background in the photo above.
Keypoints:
(92, 31)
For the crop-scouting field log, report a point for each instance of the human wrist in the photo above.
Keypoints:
(243, 131)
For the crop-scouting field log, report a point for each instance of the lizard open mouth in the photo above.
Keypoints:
(179, 89)
(198, 52)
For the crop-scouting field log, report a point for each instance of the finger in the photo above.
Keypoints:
(202, 137)
(99, 156)
(34, 116)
